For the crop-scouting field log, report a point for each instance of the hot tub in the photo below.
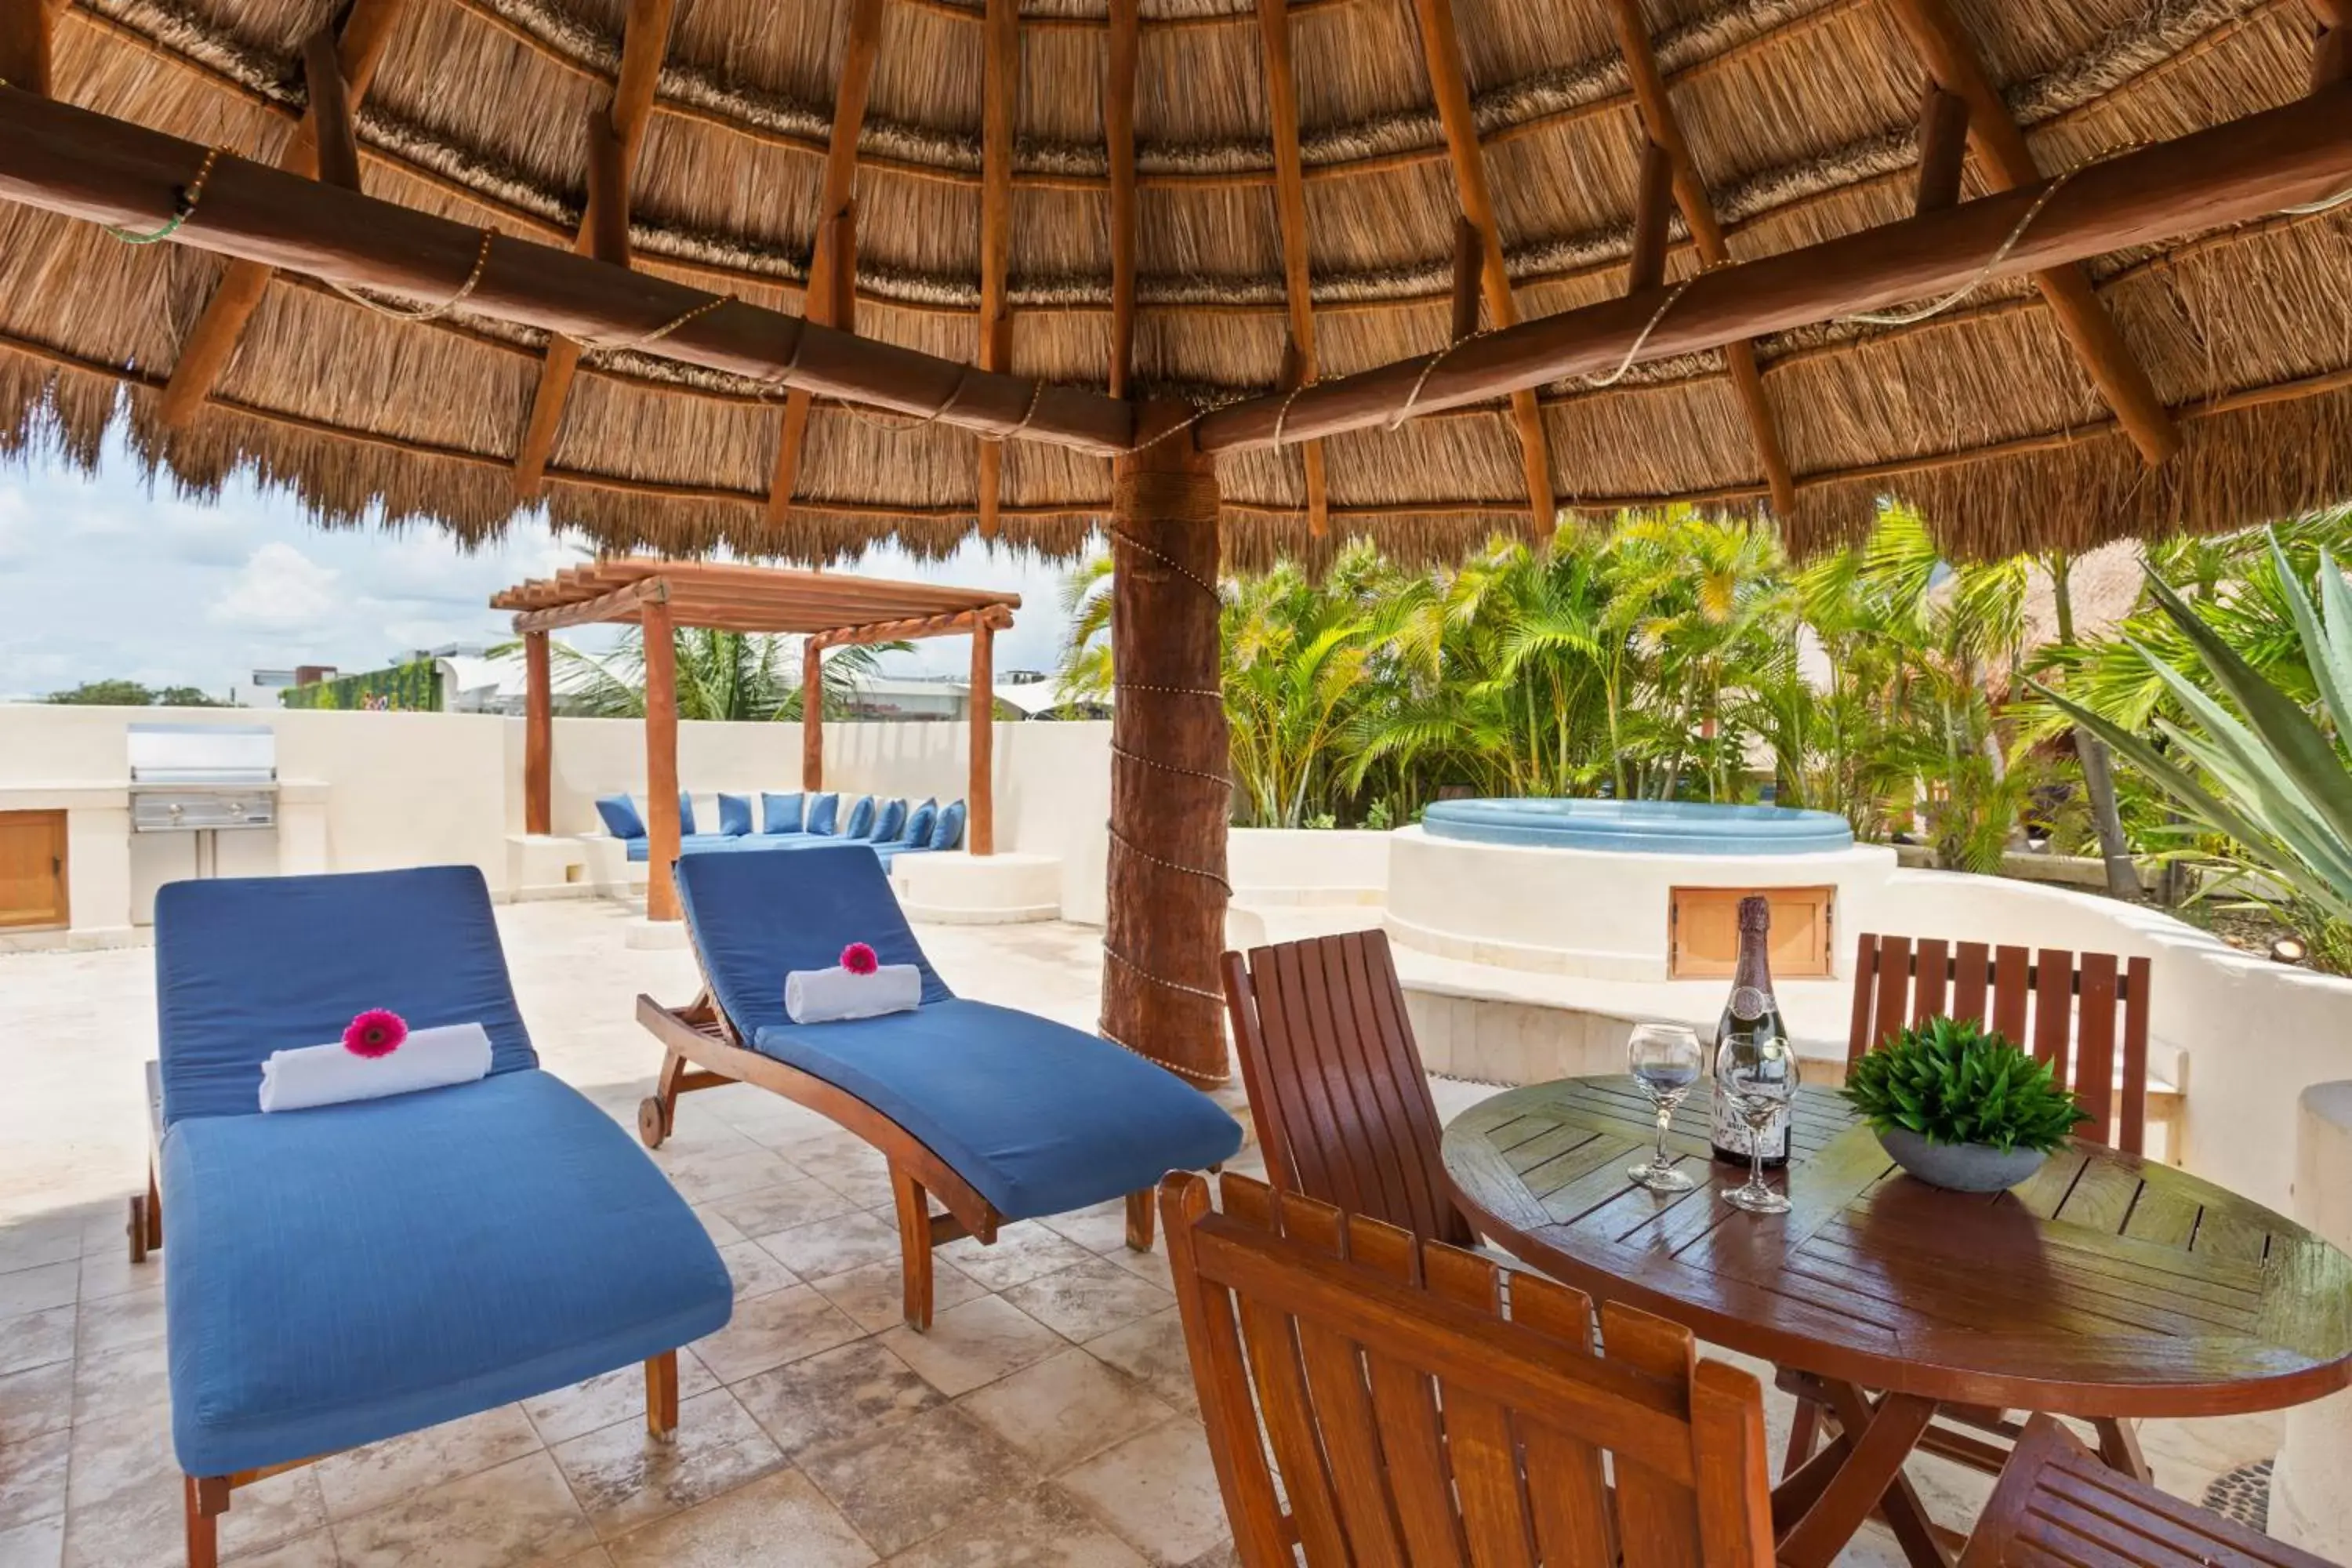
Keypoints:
(1640, 826)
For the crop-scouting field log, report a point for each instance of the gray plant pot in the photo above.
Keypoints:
(1961, 1167)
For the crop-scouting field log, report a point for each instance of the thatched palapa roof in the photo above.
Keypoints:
(1800, 119)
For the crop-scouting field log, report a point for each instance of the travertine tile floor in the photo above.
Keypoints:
(1047, 1420)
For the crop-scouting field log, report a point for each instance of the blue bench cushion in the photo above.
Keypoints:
(1039, 1117)
(918, 833)
(735, 815)
(247, 966)
(780, 813)
(861, 819)
(619, 814)
(687, 843)
(349, 1273)
(947, 829)
(823, 815)
(686, 815)
(890, 822)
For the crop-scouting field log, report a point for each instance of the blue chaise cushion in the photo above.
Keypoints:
(947, 830)
(1039, 1117)
(347, 1274)
(918, 825)
(735, 815)
(620, 815)
(890, 822)
(824, 811)
(780, 813)
(861, 819)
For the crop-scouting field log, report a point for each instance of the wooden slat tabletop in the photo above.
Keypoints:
(2104, 1286)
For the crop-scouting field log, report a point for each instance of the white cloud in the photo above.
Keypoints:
(16, 530)
(280, 591)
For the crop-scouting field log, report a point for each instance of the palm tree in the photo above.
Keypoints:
(729, 676)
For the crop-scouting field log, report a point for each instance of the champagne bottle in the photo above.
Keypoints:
(1751, 1021)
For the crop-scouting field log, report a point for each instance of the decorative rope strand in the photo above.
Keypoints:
(1196, 1074)
(1123, 537)
(183, 209)
(1113, 953)
(591, 351)
(1983, 274)
(1129, 844)
(1220, 780)
(427, 313)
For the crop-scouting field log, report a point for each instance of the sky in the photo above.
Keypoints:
(108, 578)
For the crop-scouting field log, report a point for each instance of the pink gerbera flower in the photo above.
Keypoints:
(375, 1033)
(858, 959)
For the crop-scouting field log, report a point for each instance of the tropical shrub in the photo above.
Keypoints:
(1952, 1080)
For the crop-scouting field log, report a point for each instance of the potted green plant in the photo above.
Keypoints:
(1960, 1106)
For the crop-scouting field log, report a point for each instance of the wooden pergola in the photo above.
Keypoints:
(828, 609)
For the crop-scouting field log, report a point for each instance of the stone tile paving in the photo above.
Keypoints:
(1049, 1418)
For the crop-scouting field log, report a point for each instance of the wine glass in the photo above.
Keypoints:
(1759, 1080)
(1665, 1059)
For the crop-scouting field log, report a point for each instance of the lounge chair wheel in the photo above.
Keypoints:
(138, 1227)
(653, 1126)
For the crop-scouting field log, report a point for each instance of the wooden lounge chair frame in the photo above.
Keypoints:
(703, 1049)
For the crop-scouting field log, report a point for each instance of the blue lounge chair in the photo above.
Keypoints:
(349, 1273)
(999, 1114)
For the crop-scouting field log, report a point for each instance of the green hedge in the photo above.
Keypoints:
(412, 687)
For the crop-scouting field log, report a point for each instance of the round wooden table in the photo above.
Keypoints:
(2105, 1286)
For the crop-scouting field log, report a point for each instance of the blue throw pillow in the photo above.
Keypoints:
(890, 822)
(918, 825)
(823, 810)
(948, 831)
(861, 818)
(734, 815)
(621, 818)
(780, 813)
(685, 811)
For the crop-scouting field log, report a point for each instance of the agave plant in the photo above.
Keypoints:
(2279, 783)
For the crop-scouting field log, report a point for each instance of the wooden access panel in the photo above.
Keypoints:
(32, 868)
(1703, 926)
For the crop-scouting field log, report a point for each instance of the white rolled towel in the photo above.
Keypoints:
(833, 995)
(330, 1075)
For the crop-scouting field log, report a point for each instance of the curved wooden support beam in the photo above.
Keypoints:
(1449, 82)
(1290, 209)
(367, 32)
(999, 104)
(1665, 131)
(2008, 162)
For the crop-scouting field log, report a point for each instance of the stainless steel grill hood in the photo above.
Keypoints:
(185, 777)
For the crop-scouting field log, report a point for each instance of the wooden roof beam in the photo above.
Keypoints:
(2008, 162)
(1664, 127)
(996, 618)
(1943, 149)
(1654, 204)
(1290, 210)
(999, 104)
(2232, 173)
(329, 118)
(93, 166)
(367, 32)
(604, 227)
(1449, 83)
(832, 295)
(27, 44)
(1119, 134)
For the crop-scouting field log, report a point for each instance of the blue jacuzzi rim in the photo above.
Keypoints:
(1638, 826)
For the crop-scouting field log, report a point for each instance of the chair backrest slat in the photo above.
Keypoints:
(1341, 1101)
(1415, 1419)
(2086, 1014)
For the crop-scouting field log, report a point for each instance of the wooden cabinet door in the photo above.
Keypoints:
(1706, 932)
(32, 868)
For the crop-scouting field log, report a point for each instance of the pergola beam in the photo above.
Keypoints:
(1290, 210)
(604, 227)
(2299, 152)
(832, 293)
(2007, 163)
(619, 604)
(1665, 128)
(93, 166)
(1449, 83)
(1000, 102)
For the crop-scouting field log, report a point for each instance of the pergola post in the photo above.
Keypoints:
(538, 737)
(661, 759)
(1170, 797)
(979, 828)
(811, 715)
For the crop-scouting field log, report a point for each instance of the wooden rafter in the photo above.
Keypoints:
(28, 42)
(359, 49)
(1000, 102)
(338, 149)
(1943, 149)
(1665, 128)
(1449, 83)
(2008, 162)
(1290, 208)
(1119, 134)
(831, 289)
(2331, 60)
(995, 617)
(644, 38)
(1654, 204)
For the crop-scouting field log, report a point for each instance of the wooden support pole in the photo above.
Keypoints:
(980, 825)
(661, 761)
(1653, 207)
(811, 715)
(205, 353)
(1469, 270)
(1169, 804)
(1119, 132)
(538, 737)
(1299, 365)
(2300, 152)
(2006, 162)
(27, 45)
(330, 111)
(1441, 48)
(1000, 102)
(1943, 149)
(2331, 62)
(608, 190)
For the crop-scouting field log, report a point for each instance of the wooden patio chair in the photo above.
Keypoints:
(2087, 1014)
(2058, 1506)
(1413, 1419)
(1335, 1081)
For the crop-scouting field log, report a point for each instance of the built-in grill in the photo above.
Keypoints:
(203, 777)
